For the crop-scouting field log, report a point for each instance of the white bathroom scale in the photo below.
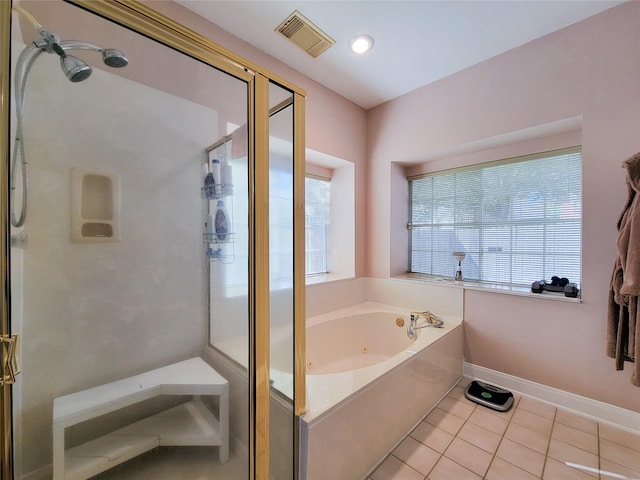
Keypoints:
(490, 396)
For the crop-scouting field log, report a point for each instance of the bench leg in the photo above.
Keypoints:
(58, 452)
(224, 425)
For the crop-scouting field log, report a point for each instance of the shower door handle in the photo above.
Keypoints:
(10, 365)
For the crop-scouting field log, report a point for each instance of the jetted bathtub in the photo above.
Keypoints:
(368, 384)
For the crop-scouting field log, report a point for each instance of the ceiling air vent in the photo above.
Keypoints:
(305, 34)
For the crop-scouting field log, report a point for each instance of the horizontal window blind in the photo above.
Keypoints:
(316, 223)
(518, 221)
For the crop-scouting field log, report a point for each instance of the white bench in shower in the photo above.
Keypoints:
(190, 423)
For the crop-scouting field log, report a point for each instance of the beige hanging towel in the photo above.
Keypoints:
(622, 342)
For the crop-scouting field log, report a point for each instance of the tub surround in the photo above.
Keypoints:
(327, 391)
(446, 300)
(384, 401)
(383, 412)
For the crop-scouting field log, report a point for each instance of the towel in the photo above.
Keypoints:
(622, 342)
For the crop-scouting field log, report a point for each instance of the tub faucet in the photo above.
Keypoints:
(430, 319)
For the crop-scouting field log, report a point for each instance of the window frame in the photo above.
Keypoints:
(490, 283)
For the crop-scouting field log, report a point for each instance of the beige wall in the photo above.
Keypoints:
(590, 72)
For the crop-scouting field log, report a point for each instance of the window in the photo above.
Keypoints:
(517, 220)
(316, 223)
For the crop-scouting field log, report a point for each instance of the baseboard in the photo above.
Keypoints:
(621, 418)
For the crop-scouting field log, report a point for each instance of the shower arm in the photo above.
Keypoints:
(78, 45)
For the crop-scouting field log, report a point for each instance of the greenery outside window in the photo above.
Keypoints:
(517, 220)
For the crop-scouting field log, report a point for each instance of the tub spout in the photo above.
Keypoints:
(430, 320)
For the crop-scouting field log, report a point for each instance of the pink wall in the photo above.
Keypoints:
(344, 139)
(590, 70)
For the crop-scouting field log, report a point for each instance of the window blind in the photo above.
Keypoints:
(316, 223)
(518, 221)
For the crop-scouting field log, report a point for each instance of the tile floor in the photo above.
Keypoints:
(461, 440)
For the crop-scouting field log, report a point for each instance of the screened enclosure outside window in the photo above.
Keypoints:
(517, 220)
(316, 223)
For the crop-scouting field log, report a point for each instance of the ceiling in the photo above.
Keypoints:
(416, 42)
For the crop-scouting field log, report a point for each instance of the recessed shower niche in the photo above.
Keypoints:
(95, 206)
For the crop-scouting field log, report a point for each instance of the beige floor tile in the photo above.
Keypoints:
(445, 421)
(447, 469)
(464, 381)
(469, 456)
(564, 452)
(575, 437)
(480, 437)
(455, 407)
(503, 470)
(620, 437)
(417, 455)
(482, 418)
(532, 421)
(539, 408)
(457, 392)
(576, 421)
(394, 469)
(619, 454)
(433, 437)
(521, 456)
(527, 437)
(613, 468)
(555, 470)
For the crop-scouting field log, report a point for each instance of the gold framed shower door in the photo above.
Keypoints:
(144, 20)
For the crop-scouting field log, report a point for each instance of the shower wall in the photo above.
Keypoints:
(96, 312)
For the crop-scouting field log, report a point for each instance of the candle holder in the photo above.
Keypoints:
(460, 256)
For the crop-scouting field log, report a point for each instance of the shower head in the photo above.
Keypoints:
(74, 68)
(114, 58)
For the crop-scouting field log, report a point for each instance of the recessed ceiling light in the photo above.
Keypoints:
(361, 43)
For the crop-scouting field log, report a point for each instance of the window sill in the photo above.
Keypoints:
(326, 278)
(488, 287)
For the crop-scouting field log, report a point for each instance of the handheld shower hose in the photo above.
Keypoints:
(75, 70)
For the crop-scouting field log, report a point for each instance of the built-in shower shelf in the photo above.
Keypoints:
(190, 423)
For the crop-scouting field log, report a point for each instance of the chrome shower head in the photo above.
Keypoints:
(74, 68)
(114, 58)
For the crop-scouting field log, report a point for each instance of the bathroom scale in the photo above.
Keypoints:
(490, 396)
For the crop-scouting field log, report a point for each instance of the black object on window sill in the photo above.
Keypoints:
(557, 284)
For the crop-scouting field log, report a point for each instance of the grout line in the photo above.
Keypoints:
(599, 459)
(546, 452)
(495, 454)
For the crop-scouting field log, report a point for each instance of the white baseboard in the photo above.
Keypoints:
(602, 412)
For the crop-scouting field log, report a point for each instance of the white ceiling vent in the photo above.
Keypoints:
(305, 34)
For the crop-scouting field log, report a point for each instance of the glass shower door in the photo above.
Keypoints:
(110, 272)
(281, 270)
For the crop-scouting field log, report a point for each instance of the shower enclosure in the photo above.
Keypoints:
(152, 249)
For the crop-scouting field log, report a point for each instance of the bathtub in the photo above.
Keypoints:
(368, 384)
(356, 341)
